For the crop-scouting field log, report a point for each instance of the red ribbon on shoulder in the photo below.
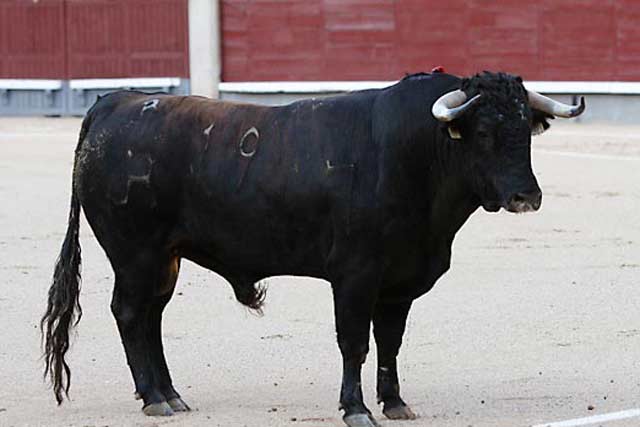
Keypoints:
(438, 69)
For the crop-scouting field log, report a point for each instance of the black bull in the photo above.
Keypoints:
(365, 190)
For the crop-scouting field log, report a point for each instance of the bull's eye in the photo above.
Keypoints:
(485, 139)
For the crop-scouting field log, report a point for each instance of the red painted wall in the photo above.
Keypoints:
(127, 38)
(325, 39)
(384, 39)
(32, 39)
(65, 39)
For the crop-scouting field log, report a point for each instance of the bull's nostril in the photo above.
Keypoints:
(538, 200)
(535, 198)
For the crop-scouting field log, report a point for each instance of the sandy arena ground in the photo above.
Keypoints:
(538, 319)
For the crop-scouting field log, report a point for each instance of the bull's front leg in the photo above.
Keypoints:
(354, 301)
(389, 322)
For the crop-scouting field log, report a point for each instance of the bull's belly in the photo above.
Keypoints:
(278, 221)
(256, 243)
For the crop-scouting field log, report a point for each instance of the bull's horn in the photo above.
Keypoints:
(555, 108)
(451, 105)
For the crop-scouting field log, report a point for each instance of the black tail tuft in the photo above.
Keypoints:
(251, 295)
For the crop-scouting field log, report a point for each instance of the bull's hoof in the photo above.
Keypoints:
(401, 412)
(178, 405)
(161, 409)
(360, 420)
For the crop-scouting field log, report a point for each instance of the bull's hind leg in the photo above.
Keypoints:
(389, 322)
(162, 375)
(143, 288)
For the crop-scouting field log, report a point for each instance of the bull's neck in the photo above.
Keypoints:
(450, 198)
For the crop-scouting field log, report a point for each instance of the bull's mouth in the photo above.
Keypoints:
(490, 206)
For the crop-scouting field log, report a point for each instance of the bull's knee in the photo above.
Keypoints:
(125, 313)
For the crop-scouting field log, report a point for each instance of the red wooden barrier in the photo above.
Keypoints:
(63, 39)
(325, 39)
(127, 38)
(383, 39)
(32, 39)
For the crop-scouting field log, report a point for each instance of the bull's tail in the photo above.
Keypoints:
(63, 307)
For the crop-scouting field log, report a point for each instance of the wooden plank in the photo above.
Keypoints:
(578, 40)
(33, 39)
(119, 38)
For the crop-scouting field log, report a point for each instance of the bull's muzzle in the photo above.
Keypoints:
(525, 202)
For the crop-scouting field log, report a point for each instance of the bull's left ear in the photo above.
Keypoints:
(539, 123)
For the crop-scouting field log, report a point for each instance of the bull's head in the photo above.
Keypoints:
(495, 116)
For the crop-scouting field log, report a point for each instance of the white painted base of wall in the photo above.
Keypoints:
(29, 97)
